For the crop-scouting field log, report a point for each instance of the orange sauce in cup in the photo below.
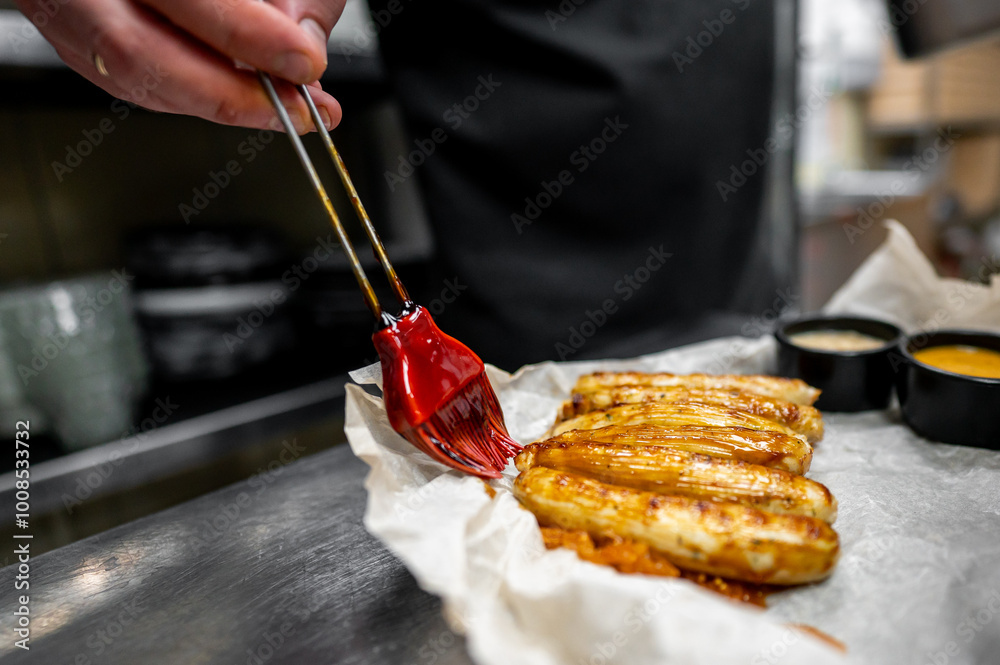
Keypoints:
(962, 359)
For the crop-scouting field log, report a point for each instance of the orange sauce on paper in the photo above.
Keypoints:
(961, 359)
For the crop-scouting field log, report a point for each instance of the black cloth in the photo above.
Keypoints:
(672, 94)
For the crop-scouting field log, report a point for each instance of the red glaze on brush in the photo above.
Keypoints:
(438, 397)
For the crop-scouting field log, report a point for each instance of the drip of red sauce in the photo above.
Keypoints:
(438, 397)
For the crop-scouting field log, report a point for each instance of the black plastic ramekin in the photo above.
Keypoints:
(945, 406)
(850, 380)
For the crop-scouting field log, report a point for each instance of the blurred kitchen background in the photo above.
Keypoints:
(175, 315)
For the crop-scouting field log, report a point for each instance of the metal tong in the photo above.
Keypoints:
(371, 301)
(436, 391)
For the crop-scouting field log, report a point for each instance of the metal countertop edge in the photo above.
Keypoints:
(173, 444)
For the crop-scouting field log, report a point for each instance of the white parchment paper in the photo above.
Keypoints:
(898, 284)
(919, 576)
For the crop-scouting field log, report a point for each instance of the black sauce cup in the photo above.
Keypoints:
(850, 380)
(945, 406)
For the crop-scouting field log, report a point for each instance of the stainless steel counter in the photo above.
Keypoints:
(136, 461)
(274, 569)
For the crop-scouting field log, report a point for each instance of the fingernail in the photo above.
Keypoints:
(297, 122)
(294, 66)
(301, 126)
(327, 120)
(316, 33)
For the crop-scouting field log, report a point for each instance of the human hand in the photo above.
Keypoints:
(177, 56)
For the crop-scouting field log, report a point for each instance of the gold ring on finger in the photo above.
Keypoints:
(99, 65)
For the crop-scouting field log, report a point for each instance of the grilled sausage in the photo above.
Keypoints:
(667, 471)
(792, 390)
(672, 414)
(726, 539)
(805, 420)
(773, 449)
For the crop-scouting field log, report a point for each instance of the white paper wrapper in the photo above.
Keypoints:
(898, 284)
(919, 575)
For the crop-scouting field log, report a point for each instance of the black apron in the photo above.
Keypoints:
(571, 156)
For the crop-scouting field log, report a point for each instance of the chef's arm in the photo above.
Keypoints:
(177, 56)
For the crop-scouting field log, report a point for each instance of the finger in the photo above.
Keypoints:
(192, 80)
(326, 13)
(247, 106)
(291, 98)
(253, 32)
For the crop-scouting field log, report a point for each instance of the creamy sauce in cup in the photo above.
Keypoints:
(836, 340)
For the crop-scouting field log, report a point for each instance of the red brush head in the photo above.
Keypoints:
(422, 368)
(437, 396)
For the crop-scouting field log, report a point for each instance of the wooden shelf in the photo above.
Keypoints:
(959, 88)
